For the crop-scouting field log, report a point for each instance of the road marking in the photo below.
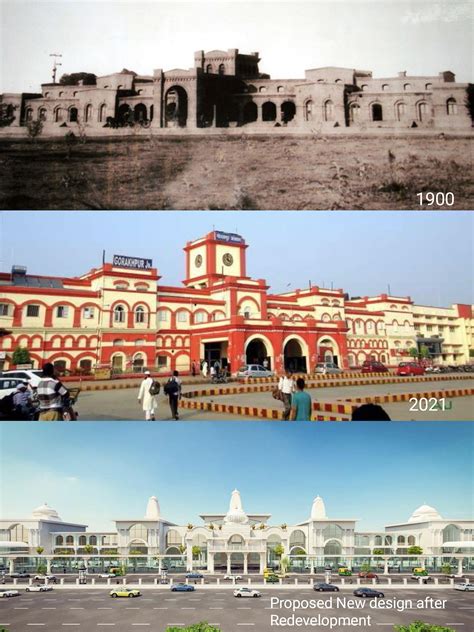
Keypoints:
(70, 624)
(140, 624)
(76, 608)
(216, 608)
(48, 608)
(104, 608)
(106, 624)
(245, 623)
(36, 624)
(244, 608)
(385, 624)
(132, 608)
(20, 608)
(454, 624)
(188, 608)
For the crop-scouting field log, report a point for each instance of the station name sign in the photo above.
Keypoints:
(229, 237)
(134, 263)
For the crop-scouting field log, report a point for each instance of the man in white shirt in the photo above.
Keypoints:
(286, 387)
(147, 399)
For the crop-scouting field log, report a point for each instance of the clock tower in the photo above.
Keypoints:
(213, 257)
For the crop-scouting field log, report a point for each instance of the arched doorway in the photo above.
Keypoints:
(377, 114)
(237, 562)
(59, 367)
(269, 111)
(288, 111)
(73, 115)
(256, 352)
(124, 114)
(176, 107)
(117, 362)
(328, 351)
(294, 359)
(332, 551)
(250, 112)
(140, 113)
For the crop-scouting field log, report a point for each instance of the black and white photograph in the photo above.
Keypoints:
(320, 105)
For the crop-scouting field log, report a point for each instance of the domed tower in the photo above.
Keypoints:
(318, 510)
(425, 513)
(152, 509)
(45, 512)
(236, 515)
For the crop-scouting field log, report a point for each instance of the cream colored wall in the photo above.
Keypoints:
(232, 270)
(194, 271)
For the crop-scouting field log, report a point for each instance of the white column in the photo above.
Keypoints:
(385, 567)
(262, 562)
(228, 564)
(460, 560)
(11, 566)
(210, 562)
(245, 564)
(48, 566)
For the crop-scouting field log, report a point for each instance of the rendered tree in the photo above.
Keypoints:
(21, 355)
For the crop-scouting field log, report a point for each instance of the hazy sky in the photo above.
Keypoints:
(428, 256)
(93, 473)
(422, 37)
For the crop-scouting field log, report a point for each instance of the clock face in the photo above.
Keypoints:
(198, 261)
(228, 259)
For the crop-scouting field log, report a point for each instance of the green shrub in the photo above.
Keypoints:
(421, 626)
(203, 626)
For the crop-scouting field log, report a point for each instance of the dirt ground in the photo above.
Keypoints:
(267, 173)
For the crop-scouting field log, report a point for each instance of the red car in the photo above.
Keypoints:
(410, 368)
(372, 366)
(368, 575)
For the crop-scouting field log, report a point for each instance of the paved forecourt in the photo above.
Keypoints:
(155, 609)
(122, 404)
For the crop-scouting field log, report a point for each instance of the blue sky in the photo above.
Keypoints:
(428, 256)
(422, 37)
(94, 472)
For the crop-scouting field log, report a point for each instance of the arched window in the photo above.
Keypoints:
(82, 540)
(338, 81)
(88, 113)
(42, 114)
(269, 111)
(328, 110)
(401, 539)
(423, 111)
(73, 115)
(406, 86)
(222, 69)
(119, 314)
(332, 531)
(308, 110)
(451, 533)
(364, 87)
(58, 115)
(262, 89)
(451, 107)
(139, 315)
(354, 112)
(138, 532)
(411, 540)
(429, 86)
(401, 109)
(93, 540)
(209, 69)
(69, 540)
(182, 316)
(29, 114)
(59, 540)
(281, 89)
(385, 87)
(298, 538)
(173, 538)
(102, 113)
(377, 113)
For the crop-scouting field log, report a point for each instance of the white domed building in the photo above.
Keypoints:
(236, 541)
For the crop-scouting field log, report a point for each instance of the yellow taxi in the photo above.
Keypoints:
(123, 591)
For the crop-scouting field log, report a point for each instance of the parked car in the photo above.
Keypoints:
(9, 593)
(194, 576)
(372, 366)
(20, 575)
(123, 591)
(106, 575)
(327, 368)
(33, 377)
(368, 592)
(368, 574)
(236, 577)
(467, 586)
(8, 385)
(50, 578)
(254, 370)
(39, 588)
(410, 368)
(323, 587)
(247, 592)
(182, 588)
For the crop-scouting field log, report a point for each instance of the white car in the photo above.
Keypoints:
(50, 578)
(327, 368)
(231, 577)
(254, 370)
(8, 385)
(106, 575)
(28, 375)
(467, 586)
(39, 588)
(9, 593)
(247, 592)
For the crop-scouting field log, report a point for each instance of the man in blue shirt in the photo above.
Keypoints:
(300, 403)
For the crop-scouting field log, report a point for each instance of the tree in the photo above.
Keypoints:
(21, 355)
(419, 354)
(182, 548)
(87, 78)
(196, 552)
(421, 626)
(284, 564)
(446, 568)
(414, 550)
(378, 551)
(34, 129)
(365, 567)
(39, 550)
(6, 114)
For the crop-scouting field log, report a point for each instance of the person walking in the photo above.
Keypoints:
(173, 391)
(265, 364)
(300, 403)
(50, 393)
(147, 396)
(286, 387)
(193, 368)
(204, 368)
